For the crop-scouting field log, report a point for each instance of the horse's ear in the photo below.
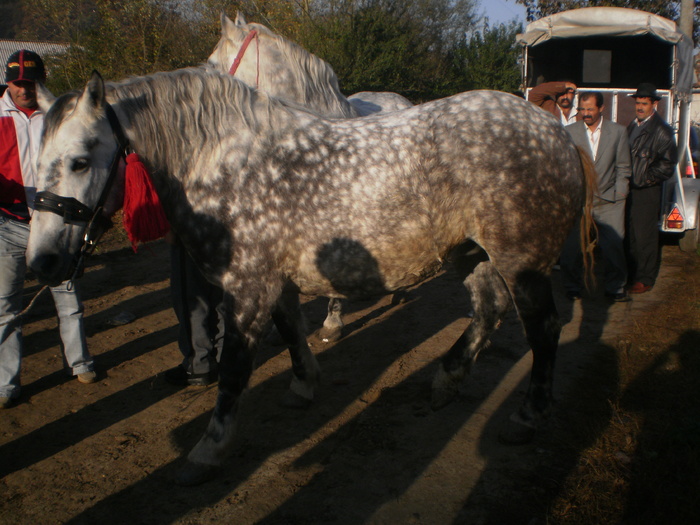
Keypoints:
(94, 94)
(226, 24)
(44, 97)
(240, 19)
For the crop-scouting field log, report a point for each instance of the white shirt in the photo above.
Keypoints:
(594, 137)
(572, 114)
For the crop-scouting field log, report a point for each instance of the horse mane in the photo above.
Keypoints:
(178, 115)
(58, 112)
(315, 75)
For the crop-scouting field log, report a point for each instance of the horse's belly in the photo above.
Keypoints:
(356, 273)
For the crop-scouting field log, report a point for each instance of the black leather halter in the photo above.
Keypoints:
(75, 212)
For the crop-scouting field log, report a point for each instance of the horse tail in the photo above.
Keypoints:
(588, 232)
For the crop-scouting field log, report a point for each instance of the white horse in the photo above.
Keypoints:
(283, 69)
(254, 187)
(264, 60)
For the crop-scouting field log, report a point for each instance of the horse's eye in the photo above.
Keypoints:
(79, 165)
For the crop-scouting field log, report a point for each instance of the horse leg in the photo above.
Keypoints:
(305, 369)
(235, 368)
(333, 325)
(490, 301)
(532, 293)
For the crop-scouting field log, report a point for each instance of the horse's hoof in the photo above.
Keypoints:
(294, 400)
(442, 397)
(516, 433)
(195, 474)
(401, 297)
(330, 335)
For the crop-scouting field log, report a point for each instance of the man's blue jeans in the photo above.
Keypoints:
(13, 266)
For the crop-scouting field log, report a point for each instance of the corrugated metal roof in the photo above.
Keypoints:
(44, 49)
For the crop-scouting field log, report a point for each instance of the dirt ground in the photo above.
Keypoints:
(369, 450)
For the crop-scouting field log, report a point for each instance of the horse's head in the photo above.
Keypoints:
(233, 34)
(77, 174)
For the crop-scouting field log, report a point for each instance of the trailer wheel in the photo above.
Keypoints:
(691, 238)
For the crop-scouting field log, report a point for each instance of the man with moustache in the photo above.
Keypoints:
(607, 144)
(556, 98)
(654, 158)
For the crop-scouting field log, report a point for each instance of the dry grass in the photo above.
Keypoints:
(633, 458)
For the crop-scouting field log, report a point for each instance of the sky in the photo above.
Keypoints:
(500, 11)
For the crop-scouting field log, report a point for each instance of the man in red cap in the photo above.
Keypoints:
(654, 158)
(21, 124)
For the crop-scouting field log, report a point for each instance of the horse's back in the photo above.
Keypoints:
(523, 171)
(371, 102)
(411, 185)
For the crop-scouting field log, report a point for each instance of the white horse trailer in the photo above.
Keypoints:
(613, 50)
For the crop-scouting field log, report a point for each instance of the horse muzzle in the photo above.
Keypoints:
(54, 264)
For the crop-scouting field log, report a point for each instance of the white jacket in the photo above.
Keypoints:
(27, 136)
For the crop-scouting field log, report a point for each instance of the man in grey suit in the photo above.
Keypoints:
(608, 145)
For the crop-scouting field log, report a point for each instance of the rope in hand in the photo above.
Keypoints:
(29, 307)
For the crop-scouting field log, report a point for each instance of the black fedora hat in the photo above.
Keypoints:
(647, 90)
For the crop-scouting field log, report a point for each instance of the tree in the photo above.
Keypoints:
(488, 58)
(116, 37)
(388, 45)
(407, 46)
(10, 16)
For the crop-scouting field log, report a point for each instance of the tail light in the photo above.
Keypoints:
(674, 220)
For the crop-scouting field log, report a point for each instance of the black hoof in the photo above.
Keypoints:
(401, 297)
(292, 400)
(195, 474)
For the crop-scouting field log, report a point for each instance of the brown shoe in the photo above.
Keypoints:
(87, 377)
(640, 288)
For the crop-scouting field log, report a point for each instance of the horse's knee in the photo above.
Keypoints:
(489, 294)
(490, 300)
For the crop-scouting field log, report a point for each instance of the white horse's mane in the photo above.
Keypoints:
(314, 76)
(191, 105)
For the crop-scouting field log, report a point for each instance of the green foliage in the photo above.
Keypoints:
(488, 59)
(418, 48)
(116, 37)
(10, 16)
(388, 45)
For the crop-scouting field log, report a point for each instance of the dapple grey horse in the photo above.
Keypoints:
(265, 60)
(254, 185)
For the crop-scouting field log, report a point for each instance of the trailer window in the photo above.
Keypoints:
(596, 66)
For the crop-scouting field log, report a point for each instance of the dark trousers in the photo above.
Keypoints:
(610, 221)
(199, 307)
(643, 208)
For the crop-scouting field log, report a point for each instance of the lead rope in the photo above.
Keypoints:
(20, 315)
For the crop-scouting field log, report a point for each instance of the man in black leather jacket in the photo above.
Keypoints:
(654, 158)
